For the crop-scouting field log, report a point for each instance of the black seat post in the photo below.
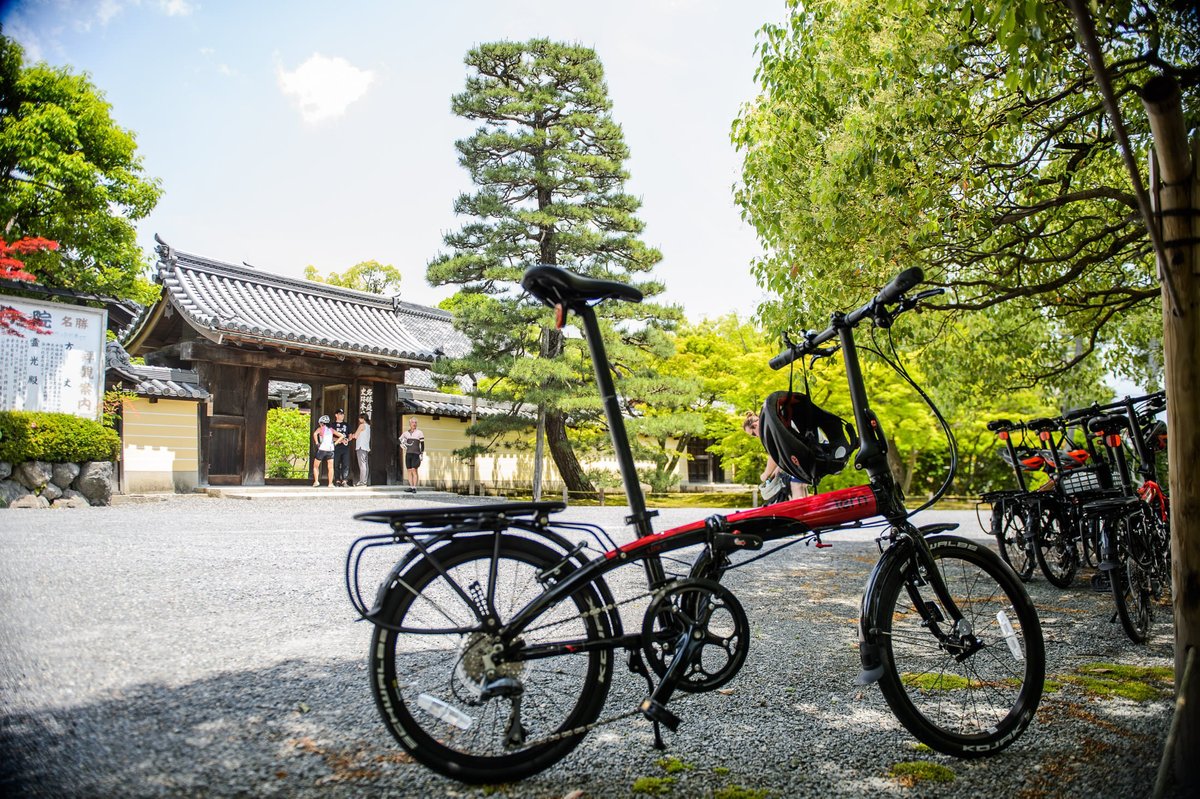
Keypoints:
(616, 422)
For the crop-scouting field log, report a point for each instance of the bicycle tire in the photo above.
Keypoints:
(1130, 583)
(1010, 527)
(980, 704)
(1056, 547)
(558, 694)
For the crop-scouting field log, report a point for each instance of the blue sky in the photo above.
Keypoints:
(295, 133)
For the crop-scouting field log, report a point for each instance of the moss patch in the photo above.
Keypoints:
(720, 771)
(653, 786)
(935, 682)
(912, 772)
(1138, 683)
(738, 792)
(673, 765)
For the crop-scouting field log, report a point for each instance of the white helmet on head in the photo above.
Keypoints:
(324, 420)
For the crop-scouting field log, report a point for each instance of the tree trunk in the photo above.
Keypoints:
(564, 455)
(555, 423)
(1177, 195)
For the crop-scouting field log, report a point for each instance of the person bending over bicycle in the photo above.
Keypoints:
(776, 484)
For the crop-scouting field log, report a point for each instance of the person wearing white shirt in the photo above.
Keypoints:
(362, 448)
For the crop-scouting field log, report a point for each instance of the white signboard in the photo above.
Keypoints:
(59, 367)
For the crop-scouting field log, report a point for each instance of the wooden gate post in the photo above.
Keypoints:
(1177, 200)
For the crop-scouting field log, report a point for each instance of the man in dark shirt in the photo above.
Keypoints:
(341, 448)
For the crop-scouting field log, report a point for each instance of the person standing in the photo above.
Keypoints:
(413, 442)
(323, 437)
(796, 489)
(341, 448)
(362, 448)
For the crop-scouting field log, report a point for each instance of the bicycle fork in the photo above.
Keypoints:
(910, 558)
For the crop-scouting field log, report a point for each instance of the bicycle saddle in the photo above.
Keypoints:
(999, 425)
(554, 286)
(1108, 425)
(1043, 425)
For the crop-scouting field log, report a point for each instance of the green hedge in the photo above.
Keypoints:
(55, 438)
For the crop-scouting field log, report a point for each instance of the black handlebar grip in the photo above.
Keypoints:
(900, 284)
(1081, 413)
(783, 359)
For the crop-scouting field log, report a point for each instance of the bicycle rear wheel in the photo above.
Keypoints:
(1057, 551)
(1010, 526)
(429, 684)
(1132, 592)
(969, 691)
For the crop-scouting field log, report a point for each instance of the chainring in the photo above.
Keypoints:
(691, 607)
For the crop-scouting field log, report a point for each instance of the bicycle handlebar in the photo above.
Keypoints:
(899, 285)
(889, 294)
(1157, 401)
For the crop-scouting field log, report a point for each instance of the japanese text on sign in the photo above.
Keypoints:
(58, 364)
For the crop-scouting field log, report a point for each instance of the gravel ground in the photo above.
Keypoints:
(205, 647)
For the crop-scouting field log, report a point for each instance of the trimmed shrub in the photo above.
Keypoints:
(55, 438)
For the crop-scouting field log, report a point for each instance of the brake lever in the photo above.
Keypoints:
(908, 303)
(817, 354)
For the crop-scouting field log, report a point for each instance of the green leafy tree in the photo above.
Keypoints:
(69, 173)
(728, 356)
(369, 276)
(663, 405)
(971, 140)
(287, 442)
(547, 164)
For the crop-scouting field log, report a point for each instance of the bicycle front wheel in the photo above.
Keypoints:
(1010, 526)
(430, 683)
(967, 689)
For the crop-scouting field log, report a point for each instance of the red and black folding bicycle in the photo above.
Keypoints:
(496, 632)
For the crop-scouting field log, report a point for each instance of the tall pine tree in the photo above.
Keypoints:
(547, 164)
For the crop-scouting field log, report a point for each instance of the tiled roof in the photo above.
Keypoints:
(152, 381)
(435, 403)
(241, 304)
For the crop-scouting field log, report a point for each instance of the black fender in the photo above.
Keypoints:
(549, 537)
(893, 561)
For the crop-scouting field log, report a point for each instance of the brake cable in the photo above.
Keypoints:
(898, 367)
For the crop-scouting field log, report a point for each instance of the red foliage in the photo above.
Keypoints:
(14, 269)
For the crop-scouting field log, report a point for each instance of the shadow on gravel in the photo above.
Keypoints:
(790, 725)
(298, 724)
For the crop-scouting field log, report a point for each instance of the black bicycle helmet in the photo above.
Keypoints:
(806, 441)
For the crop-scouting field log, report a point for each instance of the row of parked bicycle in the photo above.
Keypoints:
(1102, 504)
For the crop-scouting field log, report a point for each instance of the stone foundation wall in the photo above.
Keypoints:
(36, 484)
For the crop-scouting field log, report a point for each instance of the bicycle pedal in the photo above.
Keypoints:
(658, 713)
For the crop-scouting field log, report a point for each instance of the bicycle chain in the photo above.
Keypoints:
(600, 610)
(586, 728)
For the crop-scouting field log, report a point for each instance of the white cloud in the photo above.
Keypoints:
(324, 87)
(107, 10)
(176, 8)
